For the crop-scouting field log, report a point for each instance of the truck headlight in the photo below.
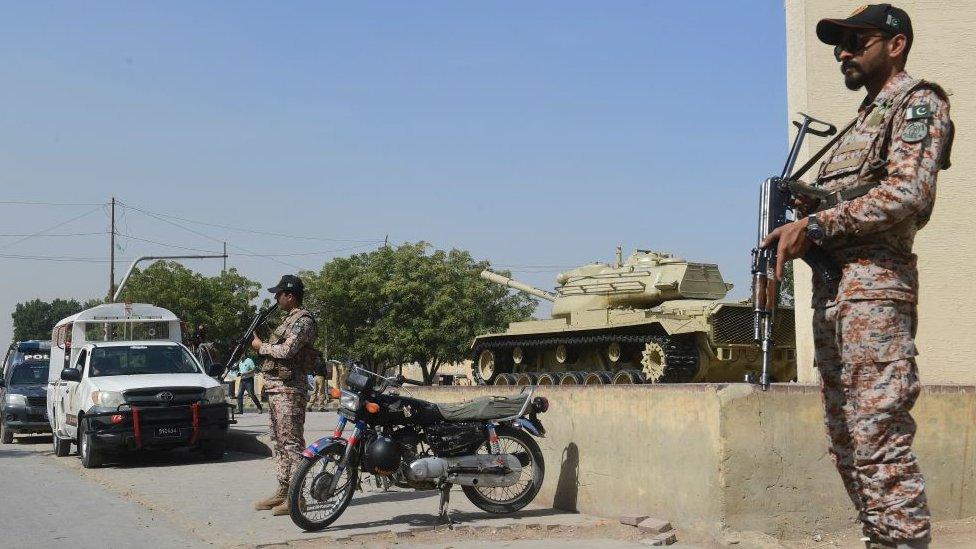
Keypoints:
(107, 399)
(215, 395)
(15, 400)
(349, 401)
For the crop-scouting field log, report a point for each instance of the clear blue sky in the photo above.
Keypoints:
(534, 134)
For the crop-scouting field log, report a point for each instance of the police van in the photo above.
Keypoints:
(23, 394)
(121, 380)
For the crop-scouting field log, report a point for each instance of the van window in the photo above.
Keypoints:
(141, 359)
(126, 331)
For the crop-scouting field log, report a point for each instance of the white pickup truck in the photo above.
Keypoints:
(121, 380)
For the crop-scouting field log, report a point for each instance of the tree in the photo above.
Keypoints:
(35, 319)
(394, 306)
(222, 303)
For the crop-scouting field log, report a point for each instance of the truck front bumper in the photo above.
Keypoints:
(26, 419)
(159, 427)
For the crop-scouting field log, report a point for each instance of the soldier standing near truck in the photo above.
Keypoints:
(288, 355)
(881, 178)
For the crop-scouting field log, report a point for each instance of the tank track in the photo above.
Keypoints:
(681, 352)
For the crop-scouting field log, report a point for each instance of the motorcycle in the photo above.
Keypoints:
(486, 446)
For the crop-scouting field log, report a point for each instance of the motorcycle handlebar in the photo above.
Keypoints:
(402, 380)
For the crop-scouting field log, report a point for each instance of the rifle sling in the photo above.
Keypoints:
(813, 160)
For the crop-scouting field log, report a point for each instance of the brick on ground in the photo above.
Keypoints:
(653, 525)
(633, 520)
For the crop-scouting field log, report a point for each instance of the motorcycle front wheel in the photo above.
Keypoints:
(310, 505)
(511, 498)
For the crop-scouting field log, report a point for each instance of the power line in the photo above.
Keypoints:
(187, 248)
(204, 235)
(54, 234)
(51, 228)
(256, 231)
(58, 258)
(35, 203)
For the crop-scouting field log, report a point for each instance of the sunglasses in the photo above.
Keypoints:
(857, 43)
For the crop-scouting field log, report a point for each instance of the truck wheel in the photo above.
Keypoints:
(90, 457)
(62, 446)
(6, 435)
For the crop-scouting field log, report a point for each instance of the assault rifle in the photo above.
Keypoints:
(245, 340)
(778, 197)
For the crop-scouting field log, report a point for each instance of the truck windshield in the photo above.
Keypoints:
(29, 373)
(141, 359)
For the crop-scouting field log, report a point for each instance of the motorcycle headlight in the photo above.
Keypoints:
(15, 400)
(349, 401)
(215, 395)
(107, 399)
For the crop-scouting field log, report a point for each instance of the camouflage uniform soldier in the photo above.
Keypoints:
(289, 353)
(882, 175)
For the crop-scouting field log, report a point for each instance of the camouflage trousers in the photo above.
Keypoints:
(869, 382)
(287, 413)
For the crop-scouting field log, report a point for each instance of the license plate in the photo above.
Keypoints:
(164, 432)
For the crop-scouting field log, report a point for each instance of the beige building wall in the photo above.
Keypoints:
(944, 51)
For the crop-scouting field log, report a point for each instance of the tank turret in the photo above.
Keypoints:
(652, 318)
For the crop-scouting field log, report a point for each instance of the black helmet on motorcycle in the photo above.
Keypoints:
(383, 455)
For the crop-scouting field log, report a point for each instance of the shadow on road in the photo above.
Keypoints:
(431, 519)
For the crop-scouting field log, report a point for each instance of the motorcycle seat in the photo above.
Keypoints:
(483, 408)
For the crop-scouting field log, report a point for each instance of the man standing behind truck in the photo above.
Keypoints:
(881, 175)
(288, 355)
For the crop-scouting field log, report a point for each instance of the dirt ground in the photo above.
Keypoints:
(959, 534)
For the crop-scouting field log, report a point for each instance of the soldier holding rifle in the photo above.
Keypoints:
(287, 356)
(879, 181)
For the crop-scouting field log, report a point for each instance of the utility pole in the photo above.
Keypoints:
(225, 257)
(111, 269)
(386, 241)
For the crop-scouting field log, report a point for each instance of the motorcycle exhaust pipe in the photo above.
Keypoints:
(494, 471)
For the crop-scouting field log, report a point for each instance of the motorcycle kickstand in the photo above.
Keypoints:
(444, 511)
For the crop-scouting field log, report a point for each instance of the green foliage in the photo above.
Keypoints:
(222, 303)
(35, 319)
(394, 306)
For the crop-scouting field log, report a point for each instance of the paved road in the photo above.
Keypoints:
(176, 499)
(45, 505)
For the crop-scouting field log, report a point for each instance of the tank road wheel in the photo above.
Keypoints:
(614, 352)
(596, 378)
(565, 354)
(547, 379)
(628, 377)
(526, 378)
(489, 363)
(504, 379)
(570, 378)
(521, 355)
(665, 360)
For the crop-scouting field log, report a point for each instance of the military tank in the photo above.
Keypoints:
(654, 318)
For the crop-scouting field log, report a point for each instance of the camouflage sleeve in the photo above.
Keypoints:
(914, 160)
(301, 334)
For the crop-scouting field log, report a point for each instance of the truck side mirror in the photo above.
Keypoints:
(71, 374)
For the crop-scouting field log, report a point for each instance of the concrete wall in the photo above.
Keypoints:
(710, 457)
(945, 52)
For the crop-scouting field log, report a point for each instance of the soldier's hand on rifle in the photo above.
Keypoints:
(256, 342)
(805, 205)
(791, 243)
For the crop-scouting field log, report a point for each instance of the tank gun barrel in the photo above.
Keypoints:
(515, 284)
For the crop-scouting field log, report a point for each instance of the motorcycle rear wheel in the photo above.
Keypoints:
(309, 512)
(517, 496)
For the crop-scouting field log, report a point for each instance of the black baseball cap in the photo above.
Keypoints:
(883, 17)
(289, 283)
